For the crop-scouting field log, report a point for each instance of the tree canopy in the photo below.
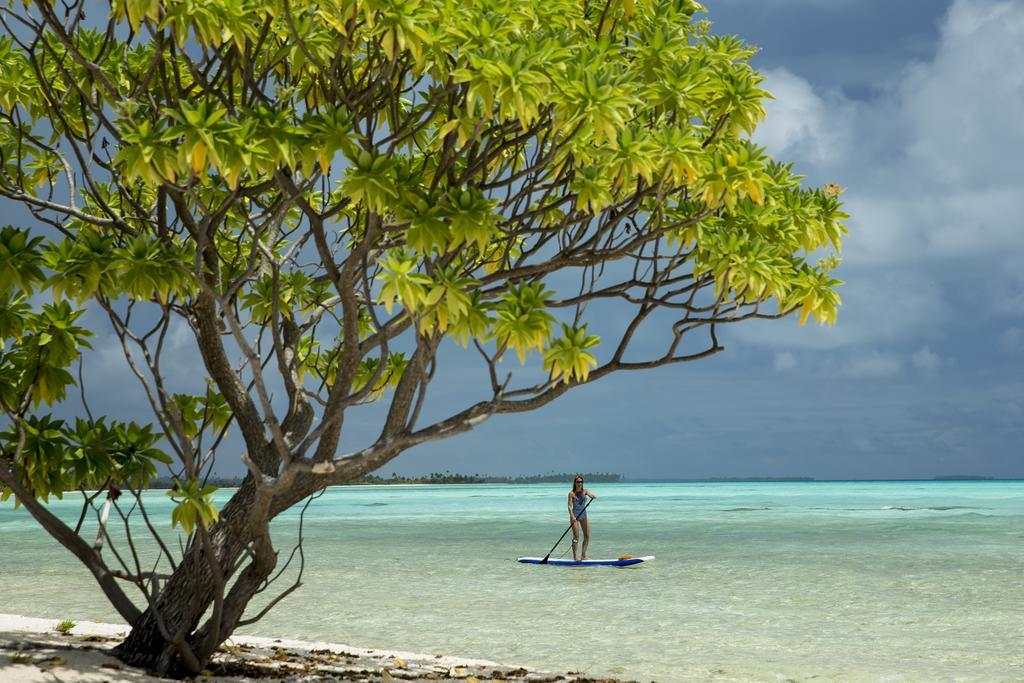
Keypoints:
(321, 193)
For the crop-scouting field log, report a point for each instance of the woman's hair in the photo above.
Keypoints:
(577, 478)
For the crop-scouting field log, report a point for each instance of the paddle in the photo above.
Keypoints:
(575, 518)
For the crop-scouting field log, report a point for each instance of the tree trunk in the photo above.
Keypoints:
(187, 595)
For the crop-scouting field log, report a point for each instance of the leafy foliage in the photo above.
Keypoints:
(656, 101)
(567, 358)
(54, 457)
(194, 505)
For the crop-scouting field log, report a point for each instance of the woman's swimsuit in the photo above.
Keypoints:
(579, 504)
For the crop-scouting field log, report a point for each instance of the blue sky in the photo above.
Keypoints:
(917, 108)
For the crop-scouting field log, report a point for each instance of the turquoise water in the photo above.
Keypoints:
(853, 581)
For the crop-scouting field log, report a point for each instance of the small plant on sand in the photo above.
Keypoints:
(64, 626)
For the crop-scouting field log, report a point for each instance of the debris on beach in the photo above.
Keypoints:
(31, 650)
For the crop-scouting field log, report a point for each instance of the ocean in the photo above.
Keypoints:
(774, 581)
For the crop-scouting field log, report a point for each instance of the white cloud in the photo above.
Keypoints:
(963, 109)
(872, 365)
(925, 359)
(785, 361)
(803, 124)
(934, 183)
(890, 306)
(952, 190)
(181, 338)
(931, 225)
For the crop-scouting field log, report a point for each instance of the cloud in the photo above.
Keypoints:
(888, 306)
(111, 387)
(963, 109)
(933, 184)
(952, 192)
(785, 361)
(872, 365)
(925, 359)
(803, 124)
(934, 249)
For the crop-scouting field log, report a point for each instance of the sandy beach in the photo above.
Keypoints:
(33, 651)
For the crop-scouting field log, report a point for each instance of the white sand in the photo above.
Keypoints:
(32, 650)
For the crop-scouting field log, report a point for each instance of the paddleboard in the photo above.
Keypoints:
(624, 562)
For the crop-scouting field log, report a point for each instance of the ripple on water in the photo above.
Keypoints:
(756, 581)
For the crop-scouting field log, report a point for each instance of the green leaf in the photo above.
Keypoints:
(194, 505)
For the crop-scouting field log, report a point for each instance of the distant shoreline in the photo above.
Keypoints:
(463, 480)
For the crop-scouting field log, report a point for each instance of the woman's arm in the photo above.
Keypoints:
(572, 517)
(589, 493)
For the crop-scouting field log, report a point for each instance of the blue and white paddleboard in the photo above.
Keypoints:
(622, 562)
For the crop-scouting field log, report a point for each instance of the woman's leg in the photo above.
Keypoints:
(575, 541)
(586, 537)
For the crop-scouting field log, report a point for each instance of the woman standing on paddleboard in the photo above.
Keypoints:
(578, 516)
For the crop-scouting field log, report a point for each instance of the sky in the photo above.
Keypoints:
(916, 108)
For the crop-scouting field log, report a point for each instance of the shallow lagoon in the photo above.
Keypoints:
(753, 581)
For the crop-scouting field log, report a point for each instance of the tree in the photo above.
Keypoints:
(321, 193)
